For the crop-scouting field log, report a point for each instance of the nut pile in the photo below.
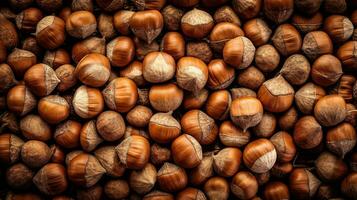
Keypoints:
(178, 99)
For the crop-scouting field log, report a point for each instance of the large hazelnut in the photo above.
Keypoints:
(50, 32)
(278, 11)
(247, 8)
(303, 184)
(239, 52)
(338, 27)
(171, 177)
(120, 51)
(33, 127)
(81, 24)
(266, 127)
(67, 134)
(316, 43)
(186, 151)
(173, 43)
(196, 23)
(147, 24)
(218, 104)
(35, 153)
(244, 185)
(341, 139)
(287, 39)
(164, 128)
(258, 31)
(227, 161)
(246, 112)
(88, 137)
(20, 61)
(326, 70)
(109, 159)
(267, 58)
(142, 181)
(330, 110)
(10, 148)
(307, 96)
(20, 100)
(260, 155)
(307, 133)
(51, 179)
(296, 69)
(158, 67)
(233, 136)
(53, 109)
(87, 102)
(110, 125)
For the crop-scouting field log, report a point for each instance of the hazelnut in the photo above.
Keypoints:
(7, 77)
(246, 112)
(20, 100)
(50, 32)
(287, 39)
(233, 136)
(147, 24)
(142, 181)
(341, 139)
(93, 193)
(149, 4)
(81, 24)
(57, 154)
(284, 146)
(27, 19)
(226, 162)
(316, 43)
(110, 126)
(303, 184)
(20, 61)
(258, 31)
(51, 179)
(139, 116)
(276, 190)
(307, 133)
(335, 6)
(191, 74)
(223, 32)
(10, 148)
(8, 33)
(326, 70)
(159, 154)
(266, 127)
(195, 100)
(216, 188)
(281, 170)
(121, 21)
(120, 94)
(66, 74)
(186, 151)
(166, 97)
(158, 67)
(203, 171)
(88, 137)
(35, 153)
(172, 17)
(143, 48)
(110, 5)
(330, 110)
(163, 128)
(171, 177)
(134, 152)
(239, 52)
(259, 155)
(308, 6)
(87, 102)
(190, 193)
(306, 24)
(247, 8)
(120, 51)
(338, 27)
(196, 23)
(156, 194)
(251, 78)
(53, 109)
(220, 75)
(19, 176)
(85, 170)
(78, 5)
(226, 14)
(87, 46)
(173, 43)
(116, 189)
(199, 125)
(109, 159)
(351, 116)
(56, 58)
(218, 104)
(106, 26)
(33, 127)
(199, 50)
(244, 185)
(348, 185)
(278, 11)
(267, 58)
(296, 69)
(346, 54)
(67, 134)
(329, 167)
(134, 72)
(242, 92)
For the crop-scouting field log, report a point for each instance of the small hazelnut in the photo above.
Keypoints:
(139, 116)
(67, 134)
(186, 151)
(106, 26)
(149, 4)
(166, 97)
(142, 181)
(51, 179)
(10, 148)
(247, 8)
(57, 154)
(87, 46)
(35, 153)
(190, 193)
(33, 127)
(258, 31)
(284, 146)
(278, 11)
(341, 139)
(116, 189)
(346, 54)
(307, 96)
(296, 69)
(134, 152)
(158, 67)
(19, 176)
(267, 58)
(163, 127)
(196, 23)
(78, 5)
(329, 167)
(191, 74)
(120, 94)
(330, 110)
(266, 127)
(239, 52)
(88, 137)
(173, 43)
(143, 48)
(109, 159)
(110, 5)
(251, 78)
(348, 185)
(110, 125)
(134, 72)
(307, 133)
(56, 58)
(216, 188)
(200, 50)
(287, 39)
(159, 154)
(50, 32)
(20, 100)
(8, 33)
(259, 155)
(246, 112)
(351, 116)
(244, 185)
(195, 100)
(87, 102)
(27, 19)
(303, 184)
(202, 172)
(20, 61)
(147, 24)
(53, 109)
(199, 125)
(121, 21)
(276, 190)
(81, 24)
(226, 14)
(84, 170)
(218, 104)
(41, 79)
(308, 7)
(223, 32)
(220, 75)
(226, 162)
(281, 170)
(171, 177)
(233, 136)
(65, 73)
(338, 27)
(120, 51)
(242, 92)
(335, 6)
(306, 24)
(94, 193)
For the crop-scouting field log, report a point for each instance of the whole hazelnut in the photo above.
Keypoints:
(171, 177)
(158, 67)
(27, 19)
(266, 127)
(344, 87)
(10, 148)
(121, 20)
(326, 70)
(94, 193)
(81, 24)
(51, 179)
(7, 77)
(147, 24)
(303, 184)
(35, 153)
(85, 170)
(71, 155)
(348, 185)
(109, 159)
(134, 72)
(191, 74)
(287, 39)
(159, 154)
(116, 189)
(218, 104)
(8, 33)
(120, 94)
(258, 31)
(338, 27)
(19, 176)
(166, 97)
(330, 110)
(110, 126)
(78, 5)
(172, 17)
(233, 136)
(120, 51)
(278, 11)
(296, 69)
(216, 188)
(53, 109)
(330, 168)
(110, 5)
(50, 32)
(199, 125)
(251, 78)
(220, 75)
(93, 70)
(284, 146)
(239, 52)
(33, 127)
(267, 58)
(276, 94)
(20, 100)
(308, 6)
(20, 61)
(306, 24)
(190, 193)
(226, 14)
(156, 194)
(186, 151)
(139, 116)
(56, 58)
(242, 92)
(246, 112)
(307, 96)
(307, 133)
(281, 170)
(227, 161)
(65, 73)
(341, 139)
(316, 43)
(88, 136)
(203, 171)
(134, 152)
(223, 32)
(247, 8)
(142, 48)
(200, 50)
(335, 6)
(244, 185)
(41, 79)
(346, 54)
(173, 43)
(87, 46)
(164, 128)
(67, 134)
(106, 26)
(142, 181)
(196, 23)
(276, 190)
(87, 102)
(195, 100)
(259, 155)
